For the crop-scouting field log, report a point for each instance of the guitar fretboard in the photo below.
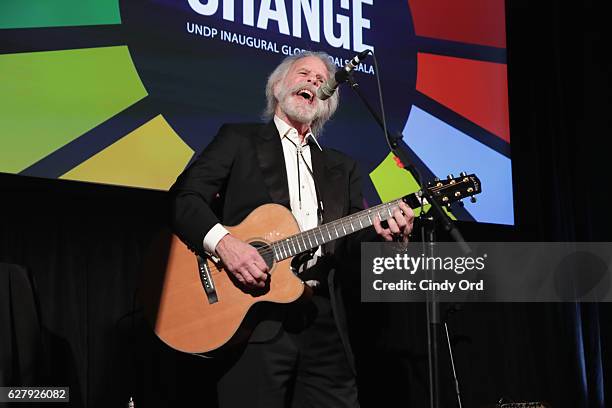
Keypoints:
(443, 192)
(342, 227)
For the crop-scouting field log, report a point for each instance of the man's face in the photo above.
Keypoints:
(297, 92)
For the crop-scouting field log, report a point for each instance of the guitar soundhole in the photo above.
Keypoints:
(265, 251)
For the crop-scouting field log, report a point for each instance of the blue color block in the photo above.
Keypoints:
(446, 150)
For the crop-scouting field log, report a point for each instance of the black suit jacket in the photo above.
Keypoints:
(243, 168)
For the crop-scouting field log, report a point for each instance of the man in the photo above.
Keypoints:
(298, 355)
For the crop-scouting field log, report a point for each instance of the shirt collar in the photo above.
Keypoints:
(285, 130)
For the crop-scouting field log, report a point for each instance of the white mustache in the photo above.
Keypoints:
(303, 85)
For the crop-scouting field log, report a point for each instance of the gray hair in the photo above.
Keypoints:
(280, 72)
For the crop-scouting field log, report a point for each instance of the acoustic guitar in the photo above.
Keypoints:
(195, 306)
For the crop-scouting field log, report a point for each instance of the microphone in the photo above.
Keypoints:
(329, 87)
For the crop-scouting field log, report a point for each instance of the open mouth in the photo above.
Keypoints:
(306, 94)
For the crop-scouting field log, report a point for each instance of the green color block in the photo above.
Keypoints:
(57, 13)
(51, 98)
(392, 182)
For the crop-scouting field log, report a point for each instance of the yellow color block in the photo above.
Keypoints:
(392, 182)
(151, 156)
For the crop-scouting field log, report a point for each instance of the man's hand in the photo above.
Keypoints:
(242, 261)
(399, 226)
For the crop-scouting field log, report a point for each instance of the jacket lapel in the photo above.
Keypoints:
(272, 164)
(328, 177)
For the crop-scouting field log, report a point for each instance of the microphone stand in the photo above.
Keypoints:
(428, 230)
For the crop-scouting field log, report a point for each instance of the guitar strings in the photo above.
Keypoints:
(269, 249)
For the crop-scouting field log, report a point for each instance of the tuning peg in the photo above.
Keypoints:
(463, 174)
(472, 199)
(450, 176)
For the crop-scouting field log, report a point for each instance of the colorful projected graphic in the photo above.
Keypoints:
(126, 92)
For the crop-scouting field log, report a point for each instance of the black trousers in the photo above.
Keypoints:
(305, 365)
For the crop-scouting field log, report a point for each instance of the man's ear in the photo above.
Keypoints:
(276, 90)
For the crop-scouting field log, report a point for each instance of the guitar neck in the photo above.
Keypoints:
(342, 227)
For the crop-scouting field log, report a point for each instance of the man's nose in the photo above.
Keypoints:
(313, 80)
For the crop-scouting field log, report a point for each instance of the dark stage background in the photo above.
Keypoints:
(83, 245)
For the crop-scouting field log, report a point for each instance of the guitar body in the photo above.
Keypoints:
(195, 306)
(188, 319)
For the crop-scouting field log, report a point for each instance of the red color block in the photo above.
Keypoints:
(476, 90)
(472, 21)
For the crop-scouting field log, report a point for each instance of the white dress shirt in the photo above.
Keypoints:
(302, 195)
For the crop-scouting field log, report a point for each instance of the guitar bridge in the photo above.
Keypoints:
(207, 282)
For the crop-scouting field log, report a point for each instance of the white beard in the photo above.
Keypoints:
(302, 113)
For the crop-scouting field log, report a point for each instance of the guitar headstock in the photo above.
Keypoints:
(455, 188)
